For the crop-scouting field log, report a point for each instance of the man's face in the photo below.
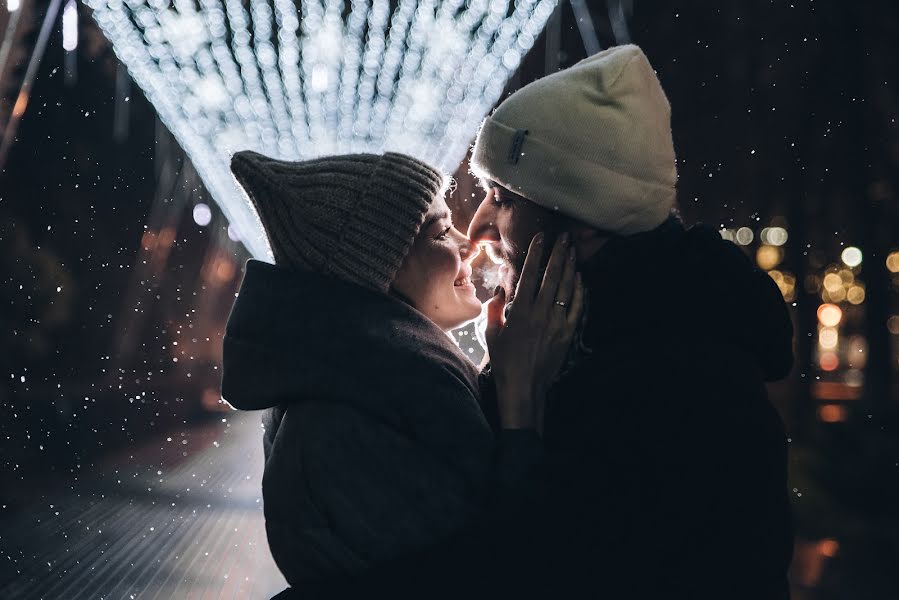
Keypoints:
(505, 223)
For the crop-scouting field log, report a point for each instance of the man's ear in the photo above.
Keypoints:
(587, 240)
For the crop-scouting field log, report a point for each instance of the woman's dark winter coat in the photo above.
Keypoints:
(667, 463)
(375, 444)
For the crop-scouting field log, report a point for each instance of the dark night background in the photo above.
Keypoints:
(115, 300)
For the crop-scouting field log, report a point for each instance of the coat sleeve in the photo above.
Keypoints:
(439, 536)
(683, 483)
(381, 491)
(723, 472)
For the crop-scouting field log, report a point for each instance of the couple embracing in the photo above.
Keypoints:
(619, 442)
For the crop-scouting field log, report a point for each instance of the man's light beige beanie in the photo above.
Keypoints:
(592, 141)
(353, 217)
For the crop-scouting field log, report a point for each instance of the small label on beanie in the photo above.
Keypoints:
(515, 149)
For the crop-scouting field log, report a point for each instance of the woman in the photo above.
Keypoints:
(376, 447)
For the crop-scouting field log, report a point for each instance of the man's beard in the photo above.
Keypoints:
(511, 270)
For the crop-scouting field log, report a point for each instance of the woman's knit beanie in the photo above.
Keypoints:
(353, 217)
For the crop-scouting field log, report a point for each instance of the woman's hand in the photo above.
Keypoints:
(528, 346)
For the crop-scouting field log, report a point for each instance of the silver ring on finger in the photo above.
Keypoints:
(560, 303)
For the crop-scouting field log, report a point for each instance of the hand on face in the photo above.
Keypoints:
(528, 346)
(435, 277)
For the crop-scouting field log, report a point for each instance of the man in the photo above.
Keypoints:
(666, 462)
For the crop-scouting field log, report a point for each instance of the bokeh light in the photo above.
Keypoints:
(202, 214)
(828, 547)
(774, 236)
(786, 282)
(854, 378)
(832, 413)
(893, 324)
(832, 282)
(851, 257)
(893, 262)
(829, 315)
(70, 26)
(837, 295)
(768, 257)
(855, 294)
(743, 236)
(828, 338)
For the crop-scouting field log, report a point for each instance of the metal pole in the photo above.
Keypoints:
(122, 107)
(9, 134)
(553, 39)
(619, 11)
(585, 26)
(8, 38)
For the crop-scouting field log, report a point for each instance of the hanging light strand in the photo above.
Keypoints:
(330, 76)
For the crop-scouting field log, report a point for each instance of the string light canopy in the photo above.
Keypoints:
(319, 77)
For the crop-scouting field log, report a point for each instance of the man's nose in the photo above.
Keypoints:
(483, 226)
(468, 250)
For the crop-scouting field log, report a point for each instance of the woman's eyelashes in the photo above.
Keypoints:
(444, 234)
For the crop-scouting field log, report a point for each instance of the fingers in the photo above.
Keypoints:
(576, 308)
(495, 319)
(565, 291)
(530, 273)
(554, 274)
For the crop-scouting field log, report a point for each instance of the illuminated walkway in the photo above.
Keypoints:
(178, 517)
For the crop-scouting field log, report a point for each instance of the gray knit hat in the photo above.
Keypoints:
(354, 216)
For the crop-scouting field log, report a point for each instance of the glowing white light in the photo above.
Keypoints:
(852, 256)
(774, 236)
(743, 236)
(202, 214)
(69, 25)
(332, 76)
(233, 234)
(828, 338)
(210, 91)
(12, 5)
(319, 79)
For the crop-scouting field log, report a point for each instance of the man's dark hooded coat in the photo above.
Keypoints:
(667, 462)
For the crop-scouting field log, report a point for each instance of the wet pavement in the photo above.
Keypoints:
(179, 516)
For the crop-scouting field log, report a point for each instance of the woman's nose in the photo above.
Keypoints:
(468, 250)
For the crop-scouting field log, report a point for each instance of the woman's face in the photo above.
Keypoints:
(436, 275)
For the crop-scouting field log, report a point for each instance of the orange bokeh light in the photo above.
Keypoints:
(893, 262)
(828, 547)
(829, 315)
(829, 361)
(21, 104)
(832, 413)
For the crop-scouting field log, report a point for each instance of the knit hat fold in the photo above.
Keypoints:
(352, 216)
(592, 141)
